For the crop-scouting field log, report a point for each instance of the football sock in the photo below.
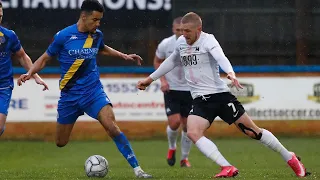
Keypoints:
(136, 170)
(209, 149)
(185, 145)
(172, 137)
(269, 140)
(126, 150)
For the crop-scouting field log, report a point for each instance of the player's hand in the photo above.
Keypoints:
(164, 86)
(41, 82)
(133, 57)
(23, 78)
(234, 81)
(143, 84)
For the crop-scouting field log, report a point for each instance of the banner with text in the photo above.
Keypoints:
(285, 98)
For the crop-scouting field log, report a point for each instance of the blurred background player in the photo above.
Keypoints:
(81, 90)
(10, 47)
(201, 56)
(177, 98)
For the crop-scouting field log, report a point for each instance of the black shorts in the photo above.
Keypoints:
(225, 105)
(178, 102)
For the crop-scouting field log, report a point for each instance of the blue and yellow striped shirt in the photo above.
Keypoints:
(77, 52)
(9, 43)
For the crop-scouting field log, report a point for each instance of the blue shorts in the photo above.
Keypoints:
(71, 106)
(5, 98)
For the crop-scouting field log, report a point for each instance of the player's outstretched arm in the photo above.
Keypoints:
(168, 64)
(26, 62)
(38, 65)
(171, 62)
(143, 84)
(108, 51)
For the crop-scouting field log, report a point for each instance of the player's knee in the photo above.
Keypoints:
(174, 125)
(174, 122)
(194, 136)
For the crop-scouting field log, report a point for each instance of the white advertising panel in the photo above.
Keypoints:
(269, 98)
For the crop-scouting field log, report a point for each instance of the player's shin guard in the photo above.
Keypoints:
(2, 131)
(269, 140)
(126, 150)
(185, 145)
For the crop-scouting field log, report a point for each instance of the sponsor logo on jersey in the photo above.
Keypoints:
(84, 53)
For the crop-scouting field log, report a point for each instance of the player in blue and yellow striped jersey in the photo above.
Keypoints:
(77, 47)
(10, 47)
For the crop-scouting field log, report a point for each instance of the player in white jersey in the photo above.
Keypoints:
(177, 98)
(201, 56)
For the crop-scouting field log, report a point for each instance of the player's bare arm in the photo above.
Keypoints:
(143, 84)
(26, 62)
(108, 51)
(38, 65)
(164, 83)
(234, 81)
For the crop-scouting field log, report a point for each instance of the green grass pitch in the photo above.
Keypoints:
(29, 160)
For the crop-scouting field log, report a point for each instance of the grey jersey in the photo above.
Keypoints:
(176, 77)
(201, 64)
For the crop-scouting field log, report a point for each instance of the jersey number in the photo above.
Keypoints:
(233, 107)
(189, 60)
(235, 112)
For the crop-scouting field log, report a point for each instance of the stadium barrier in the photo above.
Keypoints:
(284, 99)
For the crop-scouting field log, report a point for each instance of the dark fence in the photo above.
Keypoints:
(251, 32)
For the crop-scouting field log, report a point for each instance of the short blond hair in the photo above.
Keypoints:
(177, 20)
(192, 17)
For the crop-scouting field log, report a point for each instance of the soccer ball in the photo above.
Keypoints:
(96, 166)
